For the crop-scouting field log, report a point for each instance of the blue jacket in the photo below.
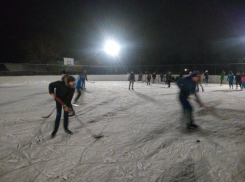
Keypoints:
(79, 81)
(187, 87)
(230, 78)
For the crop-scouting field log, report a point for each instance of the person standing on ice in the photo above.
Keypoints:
(78, 88)
(230, 79)
(222, 76)
(140, 77)
(187, 87)
(199, 82)
(238, 79)
(243, 80)
(64, 91)
(84, 77)
(168, 78)
(63, 75)
(162, 75)
(149, 79)
(206, 77)
(154, 77)
(131, 79)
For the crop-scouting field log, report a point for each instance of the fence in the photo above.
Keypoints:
(54, 69)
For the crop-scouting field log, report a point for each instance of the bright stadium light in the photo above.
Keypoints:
(112, 48)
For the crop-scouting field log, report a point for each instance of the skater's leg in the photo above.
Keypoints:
(78, 94)
(57, 119)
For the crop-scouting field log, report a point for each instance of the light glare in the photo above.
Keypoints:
(112, 48)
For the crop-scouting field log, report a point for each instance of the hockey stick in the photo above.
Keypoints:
(90, 81)
(87, 129)
(212, 111)
(49, 114)
(83, 125)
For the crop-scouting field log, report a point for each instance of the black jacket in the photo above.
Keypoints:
(187, 87)
(131, 77)
(64, 92)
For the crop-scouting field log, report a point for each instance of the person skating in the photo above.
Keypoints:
(131, 79)
(162, 75)
(168, 78)
(238, 80)
(64, 91)
(154, 77)
(78, 88)
(63, 75)
(84, 77)
(148, 79)
(206, 77)
(187, 87)
(222, 76)
(199, 82)
(230, 79)
(243, 81)
(140, 77)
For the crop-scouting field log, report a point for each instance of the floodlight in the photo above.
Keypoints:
(112, 48)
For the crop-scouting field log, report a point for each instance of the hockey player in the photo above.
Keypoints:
(238, 80)
(199, 82)
(149, 79)
(206, 77)
(243, 81)
(131, 79)
(222, 76)
(84, 77)
(168, 78)
(78, 88)
(63, 75)
(64, 91)
(187, 87)
(154, 77)
(230, 79)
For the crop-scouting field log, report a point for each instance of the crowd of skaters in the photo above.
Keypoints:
(188, 85)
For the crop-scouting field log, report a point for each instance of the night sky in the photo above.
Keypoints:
(149, 31)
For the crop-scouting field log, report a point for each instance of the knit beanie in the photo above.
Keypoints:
(63, 72)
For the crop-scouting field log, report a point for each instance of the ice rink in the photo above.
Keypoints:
(145, 136)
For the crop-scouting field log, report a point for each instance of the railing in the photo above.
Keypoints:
(54, 69)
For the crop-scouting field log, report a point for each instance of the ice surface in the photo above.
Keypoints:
(145, 135)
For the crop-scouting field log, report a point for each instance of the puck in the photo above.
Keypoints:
(198, 140)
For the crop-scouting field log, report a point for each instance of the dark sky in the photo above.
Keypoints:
(150, 31)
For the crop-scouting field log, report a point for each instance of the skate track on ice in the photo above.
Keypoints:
(145, 135)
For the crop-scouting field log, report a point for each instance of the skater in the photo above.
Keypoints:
(230, 79)
(238, 80)
(154, 77)
(168, 78)
(148, 79)
(187, 87)
(64, 91)
(131, 79)
(161, 75)
(63, 75)
(206, 77)
(199, 82)
(84, 77)
(78, 88)
(222, 76)
(140, 77)
(243, 81)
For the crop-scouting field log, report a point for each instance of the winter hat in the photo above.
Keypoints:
(70, 79)
(63, 72)
(194, 74)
